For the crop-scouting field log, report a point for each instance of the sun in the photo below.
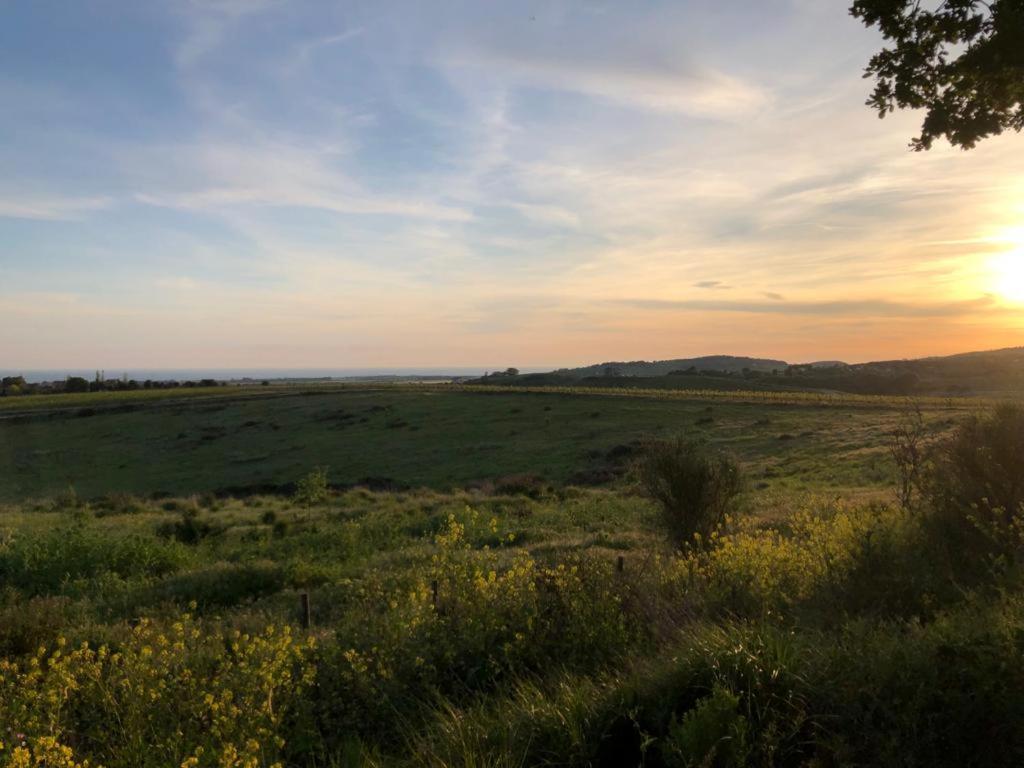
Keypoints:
(1006, 269)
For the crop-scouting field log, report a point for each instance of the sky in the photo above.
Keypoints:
(247, 183)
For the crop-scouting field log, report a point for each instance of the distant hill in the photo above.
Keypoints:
(997, 371)
(994, 373)
(643, 368)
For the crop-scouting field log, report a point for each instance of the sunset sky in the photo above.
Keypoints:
(245, 184)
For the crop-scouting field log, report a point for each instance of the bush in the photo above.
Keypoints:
(945, 693)
(975, 487)
(832, 560)
(118, 504)
(312, 488)
(219, 585)
(27, 624)
(520, 485)
(694, 486)
(188, 530)
(181, 695)
(45, 563)
(712, 733)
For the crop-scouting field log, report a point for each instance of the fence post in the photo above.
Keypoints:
(304, 618)
(433, 592)
(620, 564)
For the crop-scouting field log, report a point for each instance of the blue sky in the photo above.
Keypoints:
(337, 184)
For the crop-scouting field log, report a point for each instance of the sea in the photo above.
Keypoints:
(258, 374)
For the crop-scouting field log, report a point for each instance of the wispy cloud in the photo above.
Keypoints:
(683, 88)
(208, 21)
(51, 208)
(873, 308)
(212, 176)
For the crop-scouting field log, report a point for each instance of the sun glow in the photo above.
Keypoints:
(1006, 269)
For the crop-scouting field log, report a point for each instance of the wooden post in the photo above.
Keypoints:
(304, 618)
(433, 592)
(620, 564)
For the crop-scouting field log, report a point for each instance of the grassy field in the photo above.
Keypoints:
(511, 600)
(236, 441)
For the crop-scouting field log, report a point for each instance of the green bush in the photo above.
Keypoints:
(118, 504)
(44, 563)
(220, 585)
(312, 488)
(713, 733)
(25, 625)
(494, 619)
(693, 485)
(946, 693)
(189, 529)
(975, 489)
(179, 695)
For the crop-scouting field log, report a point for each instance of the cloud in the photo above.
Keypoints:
(55, 208)
(840, 308)
(716, 285)
(219, 175)
(671, 88)
(208, 21)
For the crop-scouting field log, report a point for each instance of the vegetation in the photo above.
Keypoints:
(693, 486)
(976, 487)
(234, 443)
(996, 372)
(960, 60)
(526, 621)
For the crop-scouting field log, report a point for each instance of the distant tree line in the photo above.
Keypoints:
(17, 385)
(499, 374)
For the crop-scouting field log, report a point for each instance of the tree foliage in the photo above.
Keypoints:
(694, 486)
(962, 61)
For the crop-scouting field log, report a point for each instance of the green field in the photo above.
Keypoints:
(407, 437)
(488, 585)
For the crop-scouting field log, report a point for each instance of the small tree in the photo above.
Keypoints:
(76, 384)
(694, 486)
(312, 488)
(906, 446)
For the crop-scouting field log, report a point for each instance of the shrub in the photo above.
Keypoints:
(493, 618)
(712, 733)
(975, 487)
(694, 486)
(520, 485)
(118, 504)
(44, 563)
(27, 624)
(312, 488)
(833, 560)
(180, 696)
(219, 585)
(907, 448)
(189, 529)
(66, 500)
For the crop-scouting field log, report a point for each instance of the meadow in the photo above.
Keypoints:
(236, 440)
(489, 584)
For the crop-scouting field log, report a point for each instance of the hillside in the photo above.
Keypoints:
(723, 363)
(998, 373)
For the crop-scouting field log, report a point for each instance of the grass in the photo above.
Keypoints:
(467, 628)
(425, 436)
(480, 617)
